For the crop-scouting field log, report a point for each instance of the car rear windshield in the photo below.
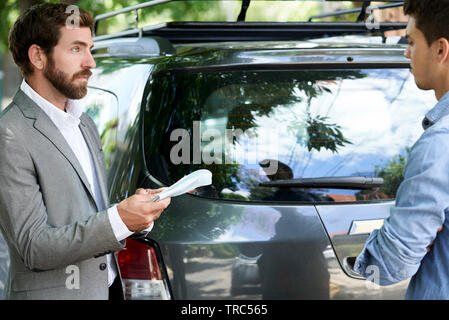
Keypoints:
(270, 135)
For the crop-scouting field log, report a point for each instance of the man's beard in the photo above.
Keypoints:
(62, 82)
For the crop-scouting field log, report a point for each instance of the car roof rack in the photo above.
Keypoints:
(134, 8)
(361, 10)
(196, 32)
(134, 46)
(192, 32)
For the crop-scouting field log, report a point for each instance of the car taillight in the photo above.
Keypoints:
(142, 275)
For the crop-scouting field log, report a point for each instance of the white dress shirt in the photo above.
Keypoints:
(68, 124)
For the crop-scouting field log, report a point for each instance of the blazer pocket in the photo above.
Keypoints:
(27, 281)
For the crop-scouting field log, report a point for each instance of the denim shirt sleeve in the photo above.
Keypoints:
(422, 198)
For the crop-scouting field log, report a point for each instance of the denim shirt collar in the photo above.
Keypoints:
(437, 112)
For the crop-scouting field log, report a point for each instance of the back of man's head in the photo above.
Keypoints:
(40, 25)
(431, 16)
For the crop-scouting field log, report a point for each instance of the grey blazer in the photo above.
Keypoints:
(48, 215)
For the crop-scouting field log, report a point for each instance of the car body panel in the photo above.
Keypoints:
(279, 53)
(259, 251)
(219, 249)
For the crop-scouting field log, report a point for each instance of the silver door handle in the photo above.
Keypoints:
(365, 226)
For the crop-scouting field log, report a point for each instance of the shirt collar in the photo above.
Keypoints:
(60, 118)
(437, 112)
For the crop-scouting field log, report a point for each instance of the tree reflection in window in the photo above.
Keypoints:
(320, 113)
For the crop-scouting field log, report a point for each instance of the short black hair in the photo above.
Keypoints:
(431, 16)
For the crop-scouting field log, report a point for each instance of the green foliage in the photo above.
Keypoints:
(392, 173)
(174, 11)
(233, 196)
(201, 223)
(9, 11)
(324, 135)
(188, 10)
(239, 98)
(179, 10)
(224, 251)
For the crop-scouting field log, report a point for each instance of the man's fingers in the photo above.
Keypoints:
(165, 202)
(155, 191)
(147, 197)
(143, 197)
(431, 244)
(141, 191)
(148, 207)
(150, 191)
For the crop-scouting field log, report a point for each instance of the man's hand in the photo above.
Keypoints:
(153, 192)
(138, 213)
(431, 244)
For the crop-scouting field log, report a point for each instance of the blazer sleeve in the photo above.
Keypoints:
(23, 216)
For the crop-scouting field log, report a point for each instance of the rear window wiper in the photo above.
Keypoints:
(352, 182)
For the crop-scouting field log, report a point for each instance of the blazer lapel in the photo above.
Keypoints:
(94, 151)
(46, 127)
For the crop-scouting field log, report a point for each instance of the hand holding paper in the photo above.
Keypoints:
(194, 180)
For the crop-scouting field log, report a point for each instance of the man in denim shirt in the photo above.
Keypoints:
(414, 240)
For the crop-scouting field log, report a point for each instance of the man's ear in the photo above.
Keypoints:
(442, 47)
(37, 56)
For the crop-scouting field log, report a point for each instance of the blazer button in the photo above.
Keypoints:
(103, 266)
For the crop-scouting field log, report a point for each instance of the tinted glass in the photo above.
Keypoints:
(253, 127)
(102, 107)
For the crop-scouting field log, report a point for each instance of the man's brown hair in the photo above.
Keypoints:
(431, 16)
(40, 25)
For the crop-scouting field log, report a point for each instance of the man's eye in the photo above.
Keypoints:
(76, 49)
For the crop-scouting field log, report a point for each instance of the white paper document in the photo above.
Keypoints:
(190, 182)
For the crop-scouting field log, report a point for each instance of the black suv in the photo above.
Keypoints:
(305, 126)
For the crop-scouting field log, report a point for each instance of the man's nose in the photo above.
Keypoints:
(407, 52)
(89, 61)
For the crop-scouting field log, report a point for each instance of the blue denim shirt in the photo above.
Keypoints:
(398, 249)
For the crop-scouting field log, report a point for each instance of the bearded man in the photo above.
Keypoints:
(54, 209)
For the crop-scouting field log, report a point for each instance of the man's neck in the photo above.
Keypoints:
(439, 93)
(441, 84)
(47, 91)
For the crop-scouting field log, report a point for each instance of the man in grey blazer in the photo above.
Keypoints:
(54, 209)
